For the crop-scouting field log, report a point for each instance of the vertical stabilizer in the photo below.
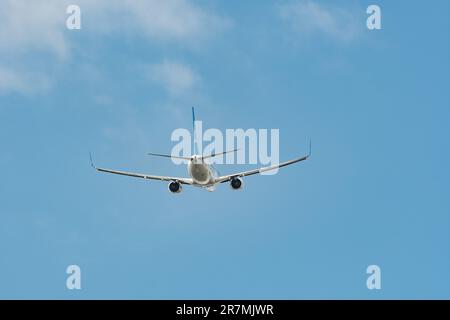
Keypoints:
(194, 131)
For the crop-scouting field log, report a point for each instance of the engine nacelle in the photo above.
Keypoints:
(236, 183)
(175, 187)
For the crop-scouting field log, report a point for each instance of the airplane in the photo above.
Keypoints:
(201, 174)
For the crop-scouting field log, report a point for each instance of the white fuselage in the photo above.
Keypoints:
(201, 172)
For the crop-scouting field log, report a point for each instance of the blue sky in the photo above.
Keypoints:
(375, 191)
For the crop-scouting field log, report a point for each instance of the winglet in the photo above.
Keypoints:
(309, 148)
(92, 162)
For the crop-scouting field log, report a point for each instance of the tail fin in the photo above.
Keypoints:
(193, 131)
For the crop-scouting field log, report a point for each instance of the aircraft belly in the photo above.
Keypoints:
(200, 173)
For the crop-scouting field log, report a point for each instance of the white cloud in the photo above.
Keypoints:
(27, 82)
(31, 28)
(309, 18)
(176, 78)
(175, 19)
(168, 20)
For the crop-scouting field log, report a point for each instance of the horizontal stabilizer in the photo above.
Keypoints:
(168, 156)
(218, 154)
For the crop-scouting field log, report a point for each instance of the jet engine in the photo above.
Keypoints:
(175, 187)
(236, 183)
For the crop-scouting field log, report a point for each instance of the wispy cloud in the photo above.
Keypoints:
(309, 18)
(175, 77)
(168, 20)
(175, 20)
(31, 28)
(27, 82)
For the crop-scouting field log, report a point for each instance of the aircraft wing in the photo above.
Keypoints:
(143, 176)
(260, 170)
